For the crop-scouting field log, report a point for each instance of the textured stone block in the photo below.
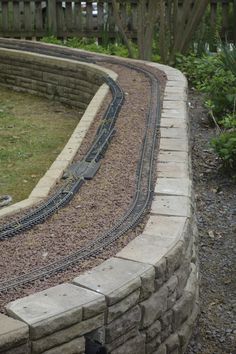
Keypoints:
(174, 186)
(174, 258)
(172, 284)
(166, 332)
(67, 335)
(182, 310)
(135, 345)
(122, 339)
(186, 329)
(182, 274)
(123, 324)
(171, 300)
(172, 343)
(165, 226)
(172, 169)
(153, 331)
(121, 307)
(173, 156)
(22, 349)
(171, 205)
(177, 133)
(171, 144)
(13, 333)
(154, 307)
(55, 308)
(161, 349)
(167, 122)
(112, 279)
(153, 345)
(166, 319)
(76, 346)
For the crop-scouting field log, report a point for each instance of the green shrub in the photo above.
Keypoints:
(210, 75)
(225, 147)
(51, 40)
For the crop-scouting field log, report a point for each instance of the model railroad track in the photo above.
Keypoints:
(144, 178)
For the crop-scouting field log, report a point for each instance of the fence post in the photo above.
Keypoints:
(52, 17)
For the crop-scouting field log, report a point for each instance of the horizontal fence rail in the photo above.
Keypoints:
(75, 18)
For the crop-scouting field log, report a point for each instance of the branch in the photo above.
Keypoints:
(121, 29)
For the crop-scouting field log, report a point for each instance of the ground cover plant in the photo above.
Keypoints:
(215, 76)
(33, 131)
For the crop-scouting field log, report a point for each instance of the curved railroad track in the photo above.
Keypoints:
(144, 175)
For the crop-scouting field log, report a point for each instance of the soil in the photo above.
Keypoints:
(215, 190)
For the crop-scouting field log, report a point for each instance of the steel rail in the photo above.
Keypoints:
(141, 200)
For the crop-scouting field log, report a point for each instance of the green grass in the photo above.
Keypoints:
(33, 131)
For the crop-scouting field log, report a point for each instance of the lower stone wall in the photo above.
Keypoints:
(143, 300)
(62, 80)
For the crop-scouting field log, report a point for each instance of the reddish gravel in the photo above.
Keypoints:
(97, 206)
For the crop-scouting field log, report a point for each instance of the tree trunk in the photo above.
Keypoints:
(118, 23)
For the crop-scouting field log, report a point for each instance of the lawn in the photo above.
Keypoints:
(33, 131)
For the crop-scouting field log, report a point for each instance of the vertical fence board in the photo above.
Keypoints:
(27, 16)
(61, 23)
(38, 16)
(16, 16)
(100, 18)
(78, 16)
(52, 17)
(68, 17)
(5, 21)
(89, 16)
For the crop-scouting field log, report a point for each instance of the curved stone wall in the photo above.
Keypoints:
(143, 300)
(68, 81)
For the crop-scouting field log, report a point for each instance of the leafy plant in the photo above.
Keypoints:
(225, 147)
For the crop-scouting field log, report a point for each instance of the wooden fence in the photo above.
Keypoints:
(69, 18)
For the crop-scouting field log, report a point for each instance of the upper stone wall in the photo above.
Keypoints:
(144, 299)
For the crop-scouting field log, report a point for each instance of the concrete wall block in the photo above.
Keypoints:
(174, 258)
(166, 319)
(122, 339)
(123, 324)
(147, 283)
(13, 333)
(135, 345)
(166, 332)
(153, 344)
(182, 274)
(22, 349)
(172, 343)
(172, 284)
(121, 307)
(186, 329)
(154, 307)
(182, 310)
(161, 349)
(54, 309)
(112, 279)
(153, 331)
(67, 334)
(76, 346)
(171, 300)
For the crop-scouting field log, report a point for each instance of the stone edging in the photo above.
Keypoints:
(55, 171)
(145, 299)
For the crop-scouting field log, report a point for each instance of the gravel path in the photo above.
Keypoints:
(215, 331)
(98, 205)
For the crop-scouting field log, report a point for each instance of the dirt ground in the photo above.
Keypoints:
(215, 190)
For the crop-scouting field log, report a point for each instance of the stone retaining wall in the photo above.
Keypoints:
(77, 84)
(143, 300)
